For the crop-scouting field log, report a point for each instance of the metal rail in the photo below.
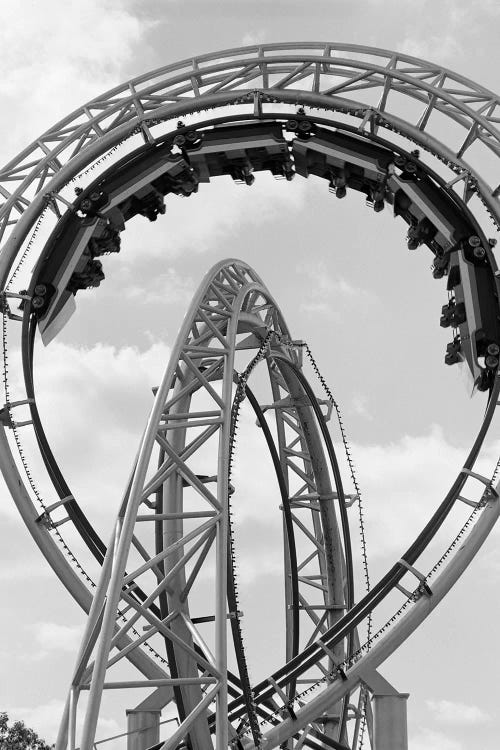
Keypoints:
(317, 75)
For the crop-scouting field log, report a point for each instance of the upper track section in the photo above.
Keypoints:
(370, 92)
(187, 156)
(378, 87)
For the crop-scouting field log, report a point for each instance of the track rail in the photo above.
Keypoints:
(323, 78)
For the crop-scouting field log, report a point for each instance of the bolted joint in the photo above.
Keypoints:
(289, 708)
(5, 309)
(342, 673)
(5, 418)
(422, 590)
(45, 520)
(490, 493)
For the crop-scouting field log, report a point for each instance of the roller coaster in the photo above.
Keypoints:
(286, 109)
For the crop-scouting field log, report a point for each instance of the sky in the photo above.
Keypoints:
(345, 282)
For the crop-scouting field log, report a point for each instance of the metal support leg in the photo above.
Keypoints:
(390, 724)
(143, 728)
(390, 730)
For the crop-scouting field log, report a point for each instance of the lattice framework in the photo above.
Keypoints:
(314, 75)
(318, 74)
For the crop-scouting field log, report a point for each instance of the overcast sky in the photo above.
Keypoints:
(345, 282)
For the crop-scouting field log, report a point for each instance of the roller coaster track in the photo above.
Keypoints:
(136, 118)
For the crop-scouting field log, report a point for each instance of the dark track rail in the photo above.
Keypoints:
(286, 676)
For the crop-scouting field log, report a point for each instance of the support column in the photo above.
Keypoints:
(143, 728)
(390, 730)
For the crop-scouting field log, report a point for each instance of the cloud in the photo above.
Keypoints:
(101, 377)
(87, 43)
(328, 294)
(93, 404)
(168, 288)
(428, 739)
(326, 284)
(403, 482)
(253, 37)
(461, 714)
(219, 210)
(19, 570)
(52, 636)
(360, 406)
(319, 309)
(425, 48)
(44, 719)
(461, 22)
(415, 3)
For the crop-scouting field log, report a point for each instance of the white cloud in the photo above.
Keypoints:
(428, 739)
(461, 714)
(219, 210)
(18, 570)
(169, 288)
(326, 284)
(93, 404)
(52, 636)
(44, 719)
(319, 309)
(426, 47)
(415, 3)
(404, 482)
(253, 37)
(327, 294)
(459, 21)
(360, 406)
(86, 45)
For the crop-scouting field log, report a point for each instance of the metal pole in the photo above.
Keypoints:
(390, 722)
(73, 702)
(124, 530)
(143, 728)
(221, 729)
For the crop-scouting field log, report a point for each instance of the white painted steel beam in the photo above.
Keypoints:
(395, 636)
(324, 77)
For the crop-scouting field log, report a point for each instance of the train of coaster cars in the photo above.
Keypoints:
(357, 145)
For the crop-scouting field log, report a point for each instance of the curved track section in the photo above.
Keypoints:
(362, 119)
(194, 422)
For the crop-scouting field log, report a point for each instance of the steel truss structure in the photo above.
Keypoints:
(232, 312)
(142, 606)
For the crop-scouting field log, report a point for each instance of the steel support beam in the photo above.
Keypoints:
(143, 728)
(390, 728)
